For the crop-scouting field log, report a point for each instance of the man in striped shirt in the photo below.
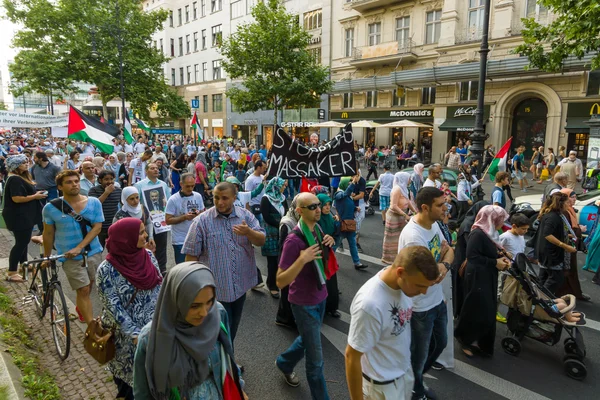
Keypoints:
(110, 197)
(222, 238)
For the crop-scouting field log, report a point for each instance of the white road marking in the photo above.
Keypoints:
(481, 378)
(363, 257)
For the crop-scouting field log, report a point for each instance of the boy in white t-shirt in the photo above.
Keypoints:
(378, 364)
(513, 242)
(385, 185)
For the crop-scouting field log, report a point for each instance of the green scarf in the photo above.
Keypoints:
(310, 239)
(327, 223)
(223, 166)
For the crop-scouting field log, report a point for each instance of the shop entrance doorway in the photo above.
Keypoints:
(529, 125)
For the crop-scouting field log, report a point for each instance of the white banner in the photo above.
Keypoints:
(23, 120)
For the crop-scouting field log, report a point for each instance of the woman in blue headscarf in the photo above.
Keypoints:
(273, 207)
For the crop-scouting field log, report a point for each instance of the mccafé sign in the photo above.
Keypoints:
(465, 111)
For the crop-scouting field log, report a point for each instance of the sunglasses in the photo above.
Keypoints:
(312, 207)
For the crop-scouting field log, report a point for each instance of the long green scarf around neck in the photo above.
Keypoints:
(310, 239)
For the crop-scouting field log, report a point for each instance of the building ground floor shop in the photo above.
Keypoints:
(549, 112)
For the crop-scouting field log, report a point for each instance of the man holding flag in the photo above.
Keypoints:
(301, 267)
(499, 162)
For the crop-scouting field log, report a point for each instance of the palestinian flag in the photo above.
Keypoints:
(127, 132)
(88, 129)
(194, 124)
(499, 162)
(142, 125)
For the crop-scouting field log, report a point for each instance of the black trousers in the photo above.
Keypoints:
(333, 295)
(102, 236)
(463, 207)
(161, 250)
(18, 253)
(551, 279)
(124, 391)
(272, 266)
(284, 312)
(371, 171)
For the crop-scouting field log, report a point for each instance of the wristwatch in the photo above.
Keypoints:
(446, 264)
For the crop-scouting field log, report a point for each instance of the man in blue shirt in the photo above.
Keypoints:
(62, 231)
(263, 152)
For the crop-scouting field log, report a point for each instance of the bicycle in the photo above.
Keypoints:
(49, 295)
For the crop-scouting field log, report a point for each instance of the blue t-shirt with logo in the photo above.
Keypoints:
(67, 232)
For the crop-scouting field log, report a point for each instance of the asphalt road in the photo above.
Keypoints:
(536, 374)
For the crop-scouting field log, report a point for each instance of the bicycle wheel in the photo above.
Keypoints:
(59, 320)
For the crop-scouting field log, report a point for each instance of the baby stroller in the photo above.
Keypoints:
(533, 314)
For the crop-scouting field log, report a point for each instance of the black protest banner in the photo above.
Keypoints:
(292, 159)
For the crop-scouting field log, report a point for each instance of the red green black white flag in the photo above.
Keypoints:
(88, 129)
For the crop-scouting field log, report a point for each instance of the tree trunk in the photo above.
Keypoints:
(105, 110)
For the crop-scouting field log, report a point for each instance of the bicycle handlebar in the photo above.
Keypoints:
(40, 260)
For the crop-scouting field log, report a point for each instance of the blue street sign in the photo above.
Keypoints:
(159, 131)
(195, 103)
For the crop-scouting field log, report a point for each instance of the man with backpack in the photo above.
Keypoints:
(72, 224)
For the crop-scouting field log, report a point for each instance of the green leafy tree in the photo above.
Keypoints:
(3, 106)
(85, 37)
(270, 56)
(574, 32)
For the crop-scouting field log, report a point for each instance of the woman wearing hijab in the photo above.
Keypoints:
(273, 207)
(330, 225)
(477, 318)
(21, 211)
(345, 208)
(185, 352)
(285, 317)
(128, 284)
(130, 198)
(113, 164)
(416, 180)
(571, 284)
(397, 216)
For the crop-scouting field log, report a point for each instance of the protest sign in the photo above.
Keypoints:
(26, 120)
(293, 159)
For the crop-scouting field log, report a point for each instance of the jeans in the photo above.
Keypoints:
(351, 238)
(429, 337)
(309, 320)
(234, 313)
(179, 258)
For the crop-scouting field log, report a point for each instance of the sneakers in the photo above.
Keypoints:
(500, 318)
(437, 366)
(360, 250)
(524, 190)
(290, 379)
(360, 266)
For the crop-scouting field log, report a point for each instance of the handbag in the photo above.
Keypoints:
(348, 225)
(99, 342)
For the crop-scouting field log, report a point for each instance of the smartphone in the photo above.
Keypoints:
(45, 192)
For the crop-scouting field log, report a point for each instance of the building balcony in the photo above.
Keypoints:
(366, 5)
(469, 35)
(384, 53)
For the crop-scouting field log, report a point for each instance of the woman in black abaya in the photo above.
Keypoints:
(476, 327)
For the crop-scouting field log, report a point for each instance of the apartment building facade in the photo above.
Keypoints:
(419, 60)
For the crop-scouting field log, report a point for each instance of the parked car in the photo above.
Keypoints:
(586, 207)
(449, 175)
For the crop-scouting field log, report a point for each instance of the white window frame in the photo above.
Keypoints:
(374, 98)
(539, 9)
(195, 41)
(460, 90)
(204, 71)
(196, 72)
(374, 33)
(195, 10)
(400, 101)
(236, 9)
(216, 6)
(217, 70)
(348, 100)
(436, 24)
(215, 34)
(428, 93)
(188, 71)
(402, 32)
(349, 42)
(203, 8)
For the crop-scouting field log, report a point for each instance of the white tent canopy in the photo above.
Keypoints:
(365, 124)
(405, 123)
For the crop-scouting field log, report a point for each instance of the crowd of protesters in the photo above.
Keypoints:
(175, 325)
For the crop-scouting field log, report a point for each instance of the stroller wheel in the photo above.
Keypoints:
(370, 210)
(511, 346)
(575, 368)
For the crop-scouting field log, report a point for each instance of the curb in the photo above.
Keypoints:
(10, 377)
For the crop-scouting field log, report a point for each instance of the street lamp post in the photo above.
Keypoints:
(478, 136)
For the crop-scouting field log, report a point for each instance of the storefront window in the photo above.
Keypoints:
(218, 133)
(268, 136)
(529, 125)
(425, 139)
(370, 137)
(579, 142)
(396, 137)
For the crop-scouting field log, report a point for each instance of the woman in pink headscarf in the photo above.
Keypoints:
(477, 318)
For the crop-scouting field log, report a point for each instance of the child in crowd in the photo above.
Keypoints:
(240, 174)
(212, 175)
(513, 241)
(453, 228)
(448, 193)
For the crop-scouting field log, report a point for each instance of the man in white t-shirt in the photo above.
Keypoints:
(385, 185)
(137, 167)
(430, 316)
(182, 208)
(252, 182)
(191, 149)
(433, 177)
(140, 146)
(378, 362)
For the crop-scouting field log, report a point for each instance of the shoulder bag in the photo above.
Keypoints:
(99, 342)
(348, 225)
(2, 221)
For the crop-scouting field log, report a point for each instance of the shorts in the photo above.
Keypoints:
(384, 203)
(519, 175)
(401, 388)
(77, 275)
(359, 216)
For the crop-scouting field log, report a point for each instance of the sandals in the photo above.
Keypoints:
(15, 278)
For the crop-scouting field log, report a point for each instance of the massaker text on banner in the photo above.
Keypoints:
(293, 159)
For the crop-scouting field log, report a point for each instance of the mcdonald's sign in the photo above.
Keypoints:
(597, 107)
(344, 115)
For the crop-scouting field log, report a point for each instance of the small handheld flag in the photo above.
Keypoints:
(499, 162)
(127, 131)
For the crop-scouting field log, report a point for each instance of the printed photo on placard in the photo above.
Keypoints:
(155, 199)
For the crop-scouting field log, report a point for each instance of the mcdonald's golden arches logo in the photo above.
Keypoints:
(345, 114)
(597, 107)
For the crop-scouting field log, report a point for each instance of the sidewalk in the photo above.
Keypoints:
(79, 376)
